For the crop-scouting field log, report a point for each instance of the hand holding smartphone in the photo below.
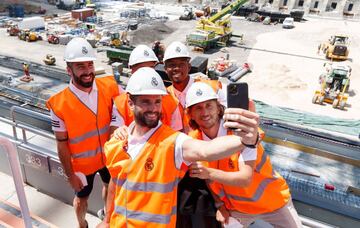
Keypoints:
(238, 95)
(241, 121)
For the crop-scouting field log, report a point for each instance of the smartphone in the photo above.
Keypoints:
(238, 95)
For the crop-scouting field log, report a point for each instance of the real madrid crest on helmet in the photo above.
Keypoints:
(231, 164)
(154, 82)
(178, 49)
(199, 92)
(149, 165)
(84, 50)
(146, 53)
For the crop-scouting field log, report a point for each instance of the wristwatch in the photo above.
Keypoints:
(255, 144)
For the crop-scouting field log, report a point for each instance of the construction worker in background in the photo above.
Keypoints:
(195, 204)
(247, 187)
(159, 50)
(80, 118)
(27, 77)
(141, 56)
(145, 167)
(177, 67)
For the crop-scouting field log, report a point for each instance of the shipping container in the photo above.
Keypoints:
(32, 23)
(82, 14)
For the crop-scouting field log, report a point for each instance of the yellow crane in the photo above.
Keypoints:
(215, 30)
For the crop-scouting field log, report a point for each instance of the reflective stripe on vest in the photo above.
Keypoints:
(147, 186)
(87, 131)
(267, 192)
(88, 153)
(261, 163)
(90, 134)
(259, 191)
(146, 217)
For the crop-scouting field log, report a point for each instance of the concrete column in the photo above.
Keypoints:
(291, 4)
(340, 7)
(276, 4)
(322, 5)
(356, 7)
(307, 5)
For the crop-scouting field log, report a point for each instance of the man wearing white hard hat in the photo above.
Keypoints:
(141, 56)
(194, 205)
(80, 119)
(177, 67)
(146, 166)
(234, 180)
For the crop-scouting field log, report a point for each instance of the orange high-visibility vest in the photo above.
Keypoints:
(216, 85)
(146, 187)
(267, 192)
(87, 131)
(123, 107)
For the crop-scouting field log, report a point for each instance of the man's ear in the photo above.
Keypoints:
(69, 71)
(131, 104)
(166, 69)
(189, 65)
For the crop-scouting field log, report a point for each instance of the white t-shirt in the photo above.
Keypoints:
(135, 144)
(116, 120)
(176, 118)
(90, 100)
(248, 154)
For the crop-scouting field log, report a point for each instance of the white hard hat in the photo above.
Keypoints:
(146, 81)
(79, 50)
(176, 50)
(141, 54)
(199, 92)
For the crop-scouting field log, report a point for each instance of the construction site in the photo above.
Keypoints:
(302, 73)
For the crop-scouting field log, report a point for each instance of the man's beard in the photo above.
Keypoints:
(142, 121)
(78, 80)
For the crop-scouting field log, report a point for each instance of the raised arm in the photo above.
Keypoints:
(242, 178)
(246, 125)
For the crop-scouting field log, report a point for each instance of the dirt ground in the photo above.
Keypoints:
(285, 62)
(286, 65)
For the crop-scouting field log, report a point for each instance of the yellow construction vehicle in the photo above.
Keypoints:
(334, 86)
(115, 39)
(28, 35)
(49, 59)
(215, 30)
(336, 48)
(13, 30)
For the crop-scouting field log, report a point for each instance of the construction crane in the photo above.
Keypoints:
(216, 30)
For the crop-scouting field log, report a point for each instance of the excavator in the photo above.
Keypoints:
(215, 30)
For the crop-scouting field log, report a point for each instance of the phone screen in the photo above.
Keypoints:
(238, 95)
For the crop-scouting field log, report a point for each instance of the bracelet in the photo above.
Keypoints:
(254, 145)
(62, 140)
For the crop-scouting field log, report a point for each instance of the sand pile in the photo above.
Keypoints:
(149, 33)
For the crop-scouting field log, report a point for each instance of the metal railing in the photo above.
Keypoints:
(24, 127)
(12, 154)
